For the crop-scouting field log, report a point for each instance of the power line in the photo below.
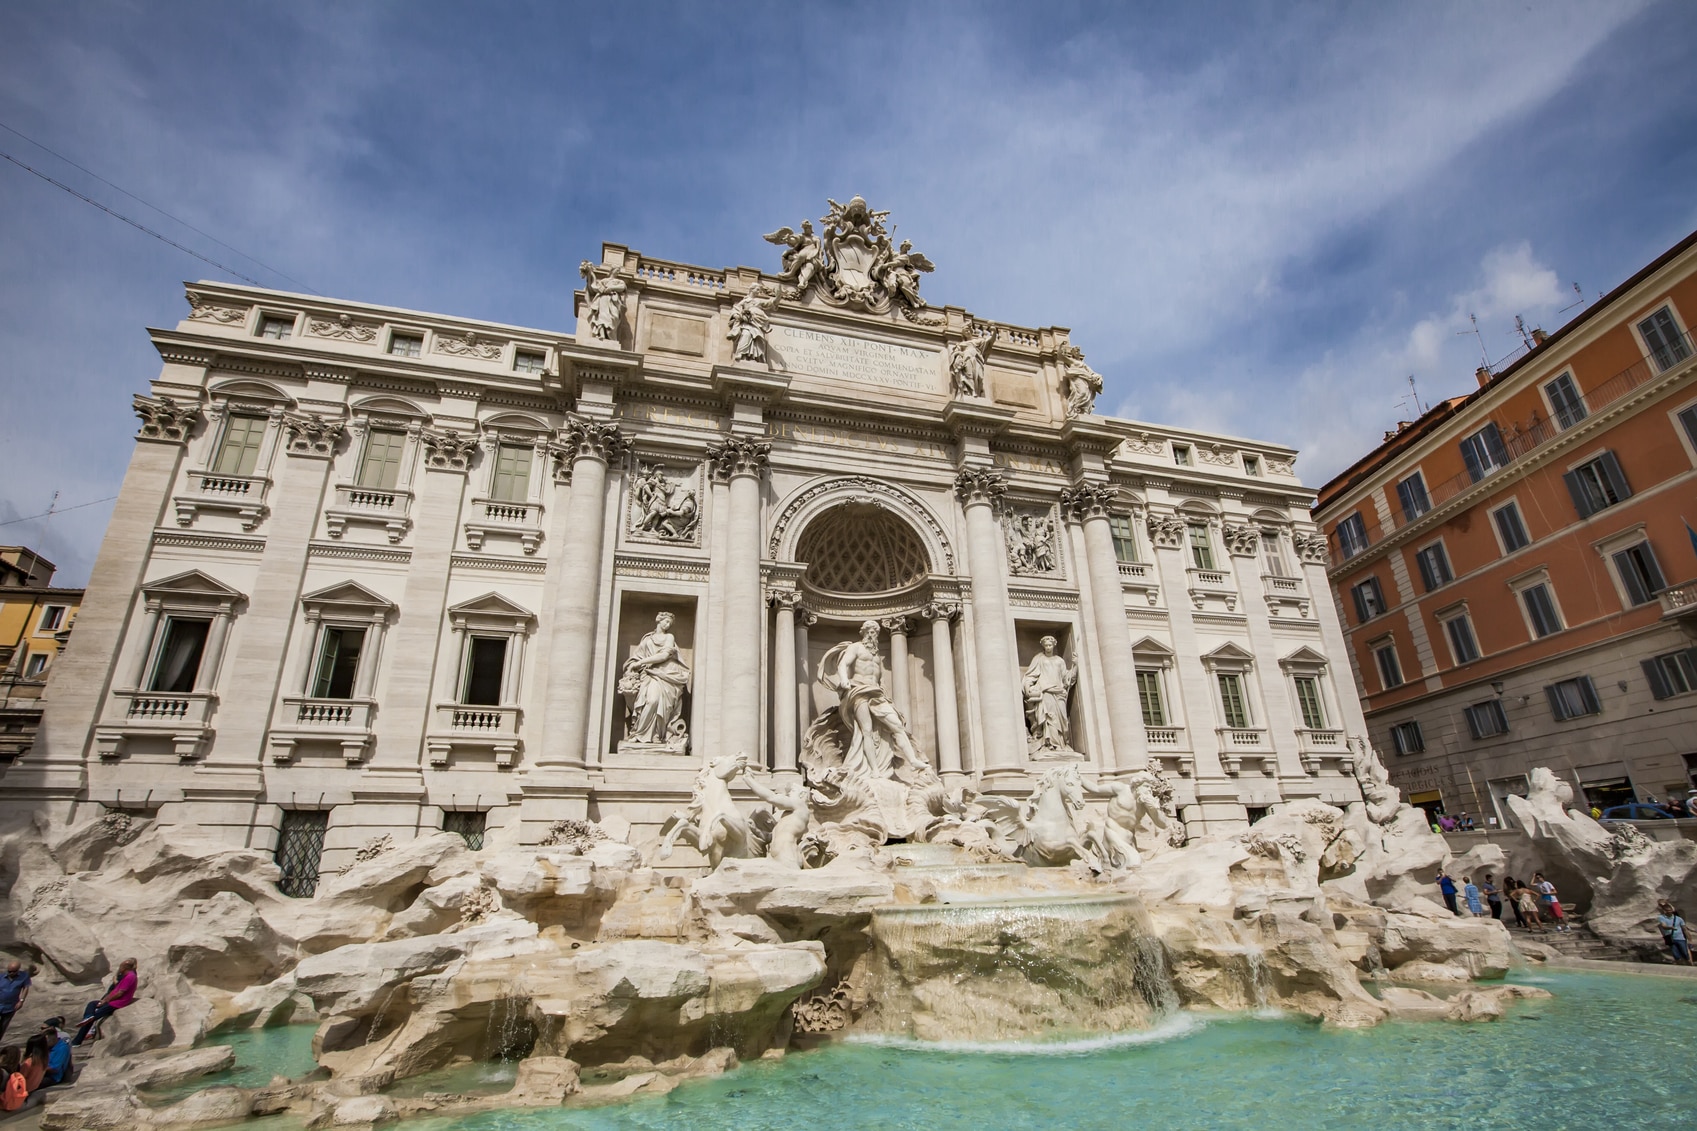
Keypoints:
(51, 511)
(155, 207)
(136, 224)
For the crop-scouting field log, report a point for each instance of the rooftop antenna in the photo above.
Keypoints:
(1484, 355)
(1576, 301)
(1520, 327)
(1414, 391)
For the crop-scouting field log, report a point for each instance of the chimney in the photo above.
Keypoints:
(1539, 337)
(1484, 375)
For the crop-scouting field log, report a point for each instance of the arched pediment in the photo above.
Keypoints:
(248, 389)
(389, 406)
(516, 422)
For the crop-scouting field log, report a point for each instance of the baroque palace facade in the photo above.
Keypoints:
(375, 571)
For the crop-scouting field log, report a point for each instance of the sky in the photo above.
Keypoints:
(1260, 219)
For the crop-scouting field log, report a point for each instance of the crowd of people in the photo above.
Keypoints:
(45, 1060)
(1532, 903)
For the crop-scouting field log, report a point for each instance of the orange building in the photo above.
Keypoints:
(35, 620)
(1515, 569)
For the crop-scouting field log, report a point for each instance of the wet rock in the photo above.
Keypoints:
(114, 1106)
(205, 1107)
(544, 1081)
(139, 1026)
(364, 1111)
(1408, 1004)
(226, 944)
(795, 903)
(1431, 972)
(158, 1070)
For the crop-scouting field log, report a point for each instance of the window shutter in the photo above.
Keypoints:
(1470, 456)
(1653, 672)
(1472, 714)
(1588, 695)
(1581, 497)
(1494, 445)
(1553, 693)
(1428, 575)
(1689, 419)
(1651, 569)
(1360, 605)
(1615, 476)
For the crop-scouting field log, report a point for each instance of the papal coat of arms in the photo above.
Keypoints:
(853, 262)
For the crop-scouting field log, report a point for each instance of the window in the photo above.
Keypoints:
(1434, 565)
(1565, 403)
(1640, 576)
(1308, 698)
(406, 345)
(1486, 720)
(179, 655)
(36, 665)
(1181, 455)
(1411, 493)
(1352, 536)
(238, 452)
(300, 847)
(1541, 609)
(1273, 554)
(1201, 551)
(338, 662)
(1509, 527)
(1688, 417)
(1573, 698)
(1390, 669)
(1251, 465)
(1597, 485)
(485, 665)
(512, 473)
(1666, 344)
(1672, 674)
(1462, 643)
(52, 617)
(1236, 709)
(1407, 739)
(1369, 599)
(528, 361)
(1149, 698)
(1483, 452)
(276, 326)
(469, 823)
(380, 467)
(1125, 537)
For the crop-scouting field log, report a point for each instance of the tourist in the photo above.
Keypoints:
(60, 1069)
(1596, 813)
(120, 994)
(1672, 924)
(1551, 900)
(34, 1067)
(13, 1092)
(14, 991)
(1492, 897)
(1447, 823)
(1526, 908)
(1510, 886)
(1447, 886)
(1470, 892)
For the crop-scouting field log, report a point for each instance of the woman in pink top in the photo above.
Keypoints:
(123, 992)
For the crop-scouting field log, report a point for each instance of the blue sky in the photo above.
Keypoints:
(1259, 218)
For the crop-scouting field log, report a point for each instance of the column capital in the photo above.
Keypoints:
(784, 599)
(1311, 547)
(738, 455)
(583, 438)
(1242, 540)
(1166, 531)
(1088, 500)
(895, 625)
(165, 419)
(310, 434)
(449, 449)
(941, 610)
(987, 485)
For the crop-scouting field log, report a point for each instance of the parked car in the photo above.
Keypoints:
(1636, 813)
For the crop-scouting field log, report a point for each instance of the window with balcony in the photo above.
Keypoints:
(406, 345)
(1567, 407)
(529, 361)
(1667, 346)
(1486, 720)
(511, 481)
(468, 823)
(1352, 536)
(338, 662)
(1233, 705)
(1201, 549)
(1411, 495)
(1273, 554)
(1125, 537)
(52, 619)
(1672, 673)
(1406, 738)
(1308, 699)
(1464, 646)
(1573, 698)
(1434, 565)
(1369, 600)
(183, 643)
(238, 450)
(1597, 484)
(1640, 575)
(1150, 698)
(1510, 529)
(380, 465)
(1540, 607)
(1390, 668)
(485, 669)
(277, 327)
(1484, 452)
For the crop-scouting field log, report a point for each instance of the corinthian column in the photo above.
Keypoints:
(742, 462)
(940, 613)
(589, 446)
(980, 491)
(1088, 503)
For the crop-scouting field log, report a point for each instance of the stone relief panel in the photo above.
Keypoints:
(1033, 541)
(203, 309)
(664, 505)
(344, 327)
(470, 345)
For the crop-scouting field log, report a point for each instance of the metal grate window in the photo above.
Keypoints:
(300, 846)
(468, 823)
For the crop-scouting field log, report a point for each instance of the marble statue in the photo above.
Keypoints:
(1046, 827)
(653, 681)
(802, 254)
(1081, 382)
(1383, 799)
(966, 363)
(606, 293)
(1146, 794)
(853, 261)
(663, 507)
(793, 817)
(878, 733)
(711, 820)
(898, 272)
(1047, 686)
(750, 322)
(1031, 543)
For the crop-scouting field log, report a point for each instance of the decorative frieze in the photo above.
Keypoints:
(1217, 454)
(469, 345)
(1145, 444)
(739, 456)
(659, 567)
(447, 449)
(309, 434)
(344, 327)
(164, 419)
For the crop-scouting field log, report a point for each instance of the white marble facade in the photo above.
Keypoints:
(436, 565)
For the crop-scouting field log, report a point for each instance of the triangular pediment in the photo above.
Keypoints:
(1304, 657)
(191, 584)
(492, 605)
(1230, 652)
(1149, 646)
(347, 593)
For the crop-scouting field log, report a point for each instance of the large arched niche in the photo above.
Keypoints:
(861, 549)
(807, 505)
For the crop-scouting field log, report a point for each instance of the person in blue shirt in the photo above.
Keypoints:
(1475, 905)
(14, 991)
(1447, 886)
(59, 1068)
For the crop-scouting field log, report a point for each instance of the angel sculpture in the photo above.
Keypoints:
(898, 273)
(606, 300)
(751, 321)
(966, 362)
(1081, 382)
(801, 260)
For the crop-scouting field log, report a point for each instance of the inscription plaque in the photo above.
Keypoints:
(857, 359)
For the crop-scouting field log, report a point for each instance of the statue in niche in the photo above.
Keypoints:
(1031, 544)
(802, 252)
(1081, 382)
(606, 293)
(966, 363)
(653, 681)
(793, 816)
(855, 671)
(1048, 685)
(750, 322)
(663, 507)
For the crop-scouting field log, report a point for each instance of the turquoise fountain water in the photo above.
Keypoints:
(1609, 1050)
